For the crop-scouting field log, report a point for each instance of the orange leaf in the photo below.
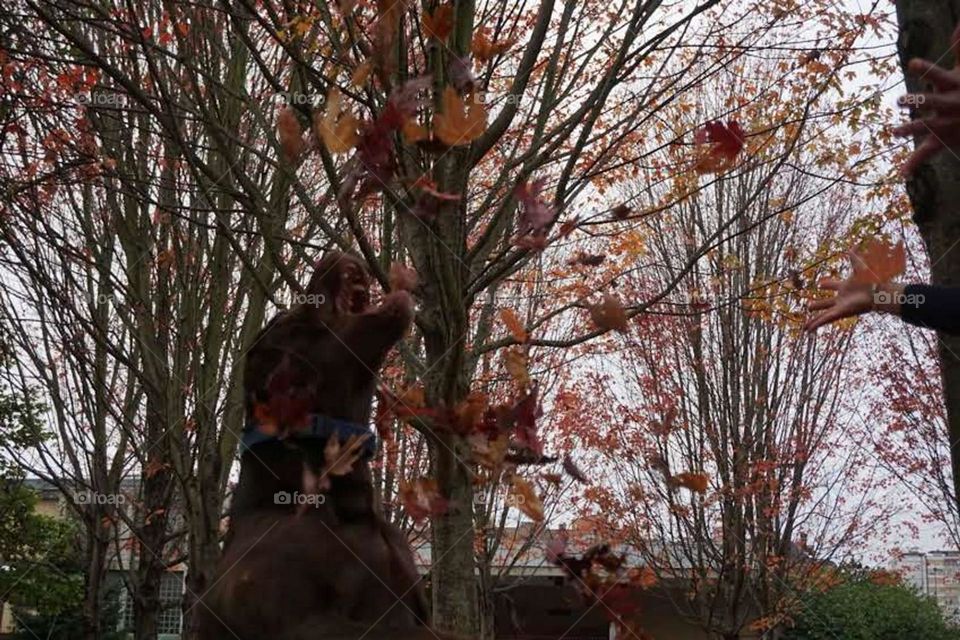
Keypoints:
(694, 481)
(439, 24)
(876, 262)
(484, 50)
(609, 315)
(361, 74)
(289, 133)
(413, 132)
(513, 324)
(515, 361)
(337, 130)
(524, 497)
(459, 123)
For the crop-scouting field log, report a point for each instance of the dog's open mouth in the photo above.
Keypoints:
(353, 299)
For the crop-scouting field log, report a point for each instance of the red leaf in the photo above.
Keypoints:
(289, 133)
(422, 498)
(726, 140)
(537, 213)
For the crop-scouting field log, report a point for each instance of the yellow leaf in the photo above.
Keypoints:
(513, 324)
(459, 123)
(515, 361)
(337, 130)
(524, 497)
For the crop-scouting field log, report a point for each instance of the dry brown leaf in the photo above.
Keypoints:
(289, 133)
(524, 497)
(459, 123)
(361, 74)
(337, 129)
(514, 324)
(609, 314)
(698, 482)
(439, 24)
(515, 360)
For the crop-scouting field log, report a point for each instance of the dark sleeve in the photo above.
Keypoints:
(932, 307)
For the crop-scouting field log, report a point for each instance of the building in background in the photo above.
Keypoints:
(936, 574)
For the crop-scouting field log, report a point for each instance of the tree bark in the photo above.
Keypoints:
(925, 29)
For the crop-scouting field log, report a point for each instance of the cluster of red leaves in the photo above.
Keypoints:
(602, 576)
(725, 141)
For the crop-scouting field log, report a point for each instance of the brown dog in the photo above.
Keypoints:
(316, 571)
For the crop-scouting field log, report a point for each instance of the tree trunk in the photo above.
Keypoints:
(925, 29)
(96, 554)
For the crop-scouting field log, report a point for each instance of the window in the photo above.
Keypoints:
(169, 618)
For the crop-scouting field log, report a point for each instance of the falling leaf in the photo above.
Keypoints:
(483, 49)
(336, 128)
(537, 212)
(458, 123)
(413, 132)
(487, 452)
(289, 133)
(430, 187)
(421, 498)
(553, 478)
(402, 277)
(568, 227)
(524, 415)
(361, 74)
(515, 361)
(339, 460)
(726, 142)
(514, 324)
(698, 482)
(574, 471)
(439, 24)
(877, 262)
(154, 467)
(609, 315)
(587, 260)
(524, 497)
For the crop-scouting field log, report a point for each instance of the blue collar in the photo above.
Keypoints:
(320, 428)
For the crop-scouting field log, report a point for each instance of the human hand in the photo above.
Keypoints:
(942, 129)
(854, 297)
